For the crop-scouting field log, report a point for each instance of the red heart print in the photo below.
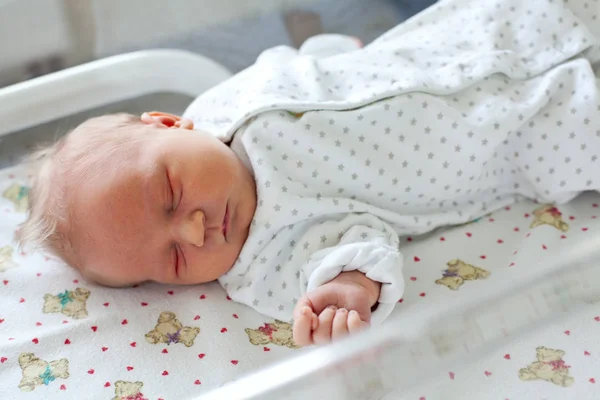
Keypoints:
(597, 318)
(563, 237)
(584, 229)
(500, 241)
(511, 264)
(38, 274)
(401, 301)
(35, 340)
(201, 356)
(469, 234)
(417, 259)
(507, 356)
(94, 328)
(567, 332)
(196, 318)
(422, 294)
(104, 348)
(202, 297)
(442, 239)
(165, 351)
(507, 208)
(197, 382)
(422, 398)
(491, 219)
(528, 234)
(487, 373)
(228, 298)
(75, 281)
(144, 304)
(516, 229)
(22, 300)
(544, 247)
(223, 330)
(409, 239)
(5, 282)
(266, 349)
(1, 320)
(38, 324)
(105, 304)
(124, 322)
(107, 384)
(235, 316)
(63, 387)
(67, 341)
(413, 278)
(129, 368)
(526, 215)
(571, 217)
(586, 353)
(91, 371)
(595, 205)
(592, 380)
(165, 373)
(451, 375)
(3, 360)
(133, 344)
(65, 321)
(171, 292)
(483, 257)
(234, 362)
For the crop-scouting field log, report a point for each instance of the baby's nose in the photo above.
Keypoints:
(192, 229)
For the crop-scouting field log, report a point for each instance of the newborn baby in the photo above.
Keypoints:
(292, 182)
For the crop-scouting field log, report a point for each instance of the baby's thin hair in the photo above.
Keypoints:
(81, 154)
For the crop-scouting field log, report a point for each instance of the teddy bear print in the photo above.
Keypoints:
(458, 272)
(549, 367)
(170, 330)
(37, 372)
(278, 332)
(549, 215)
(6, 262)
(19, 195)
(128, 391)
(71, 303)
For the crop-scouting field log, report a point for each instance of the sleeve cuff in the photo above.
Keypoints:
(381, 263)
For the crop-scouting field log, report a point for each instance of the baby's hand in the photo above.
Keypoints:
(336, 309)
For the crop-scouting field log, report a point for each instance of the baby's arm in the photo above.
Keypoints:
(362, 270)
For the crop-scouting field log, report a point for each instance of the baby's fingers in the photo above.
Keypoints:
(355, 324)
(322, 334)
(303, 326)
(340, 324)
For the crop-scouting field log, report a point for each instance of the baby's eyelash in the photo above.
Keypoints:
(172, 193)
(175, 259)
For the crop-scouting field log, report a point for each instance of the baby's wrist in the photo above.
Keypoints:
(372, 287)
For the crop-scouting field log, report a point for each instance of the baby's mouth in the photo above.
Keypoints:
(225, 224)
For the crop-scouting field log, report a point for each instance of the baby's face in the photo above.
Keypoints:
(176, 210)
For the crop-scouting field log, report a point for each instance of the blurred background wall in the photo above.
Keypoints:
(41, 36)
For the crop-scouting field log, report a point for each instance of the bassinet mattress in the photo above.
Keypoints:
(64, 338)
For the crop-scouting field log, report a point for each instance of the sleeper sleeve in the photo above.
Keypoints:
(370, 250)
(319, 46)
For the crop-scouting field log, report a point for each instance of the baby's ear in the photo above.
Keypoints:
(165, 120)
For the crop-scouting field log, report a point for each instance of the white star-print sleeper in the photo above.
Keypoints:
(461, 110)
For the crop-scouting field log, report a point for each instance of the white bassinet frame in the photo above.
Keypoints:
(105, 81)
(371, 365)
